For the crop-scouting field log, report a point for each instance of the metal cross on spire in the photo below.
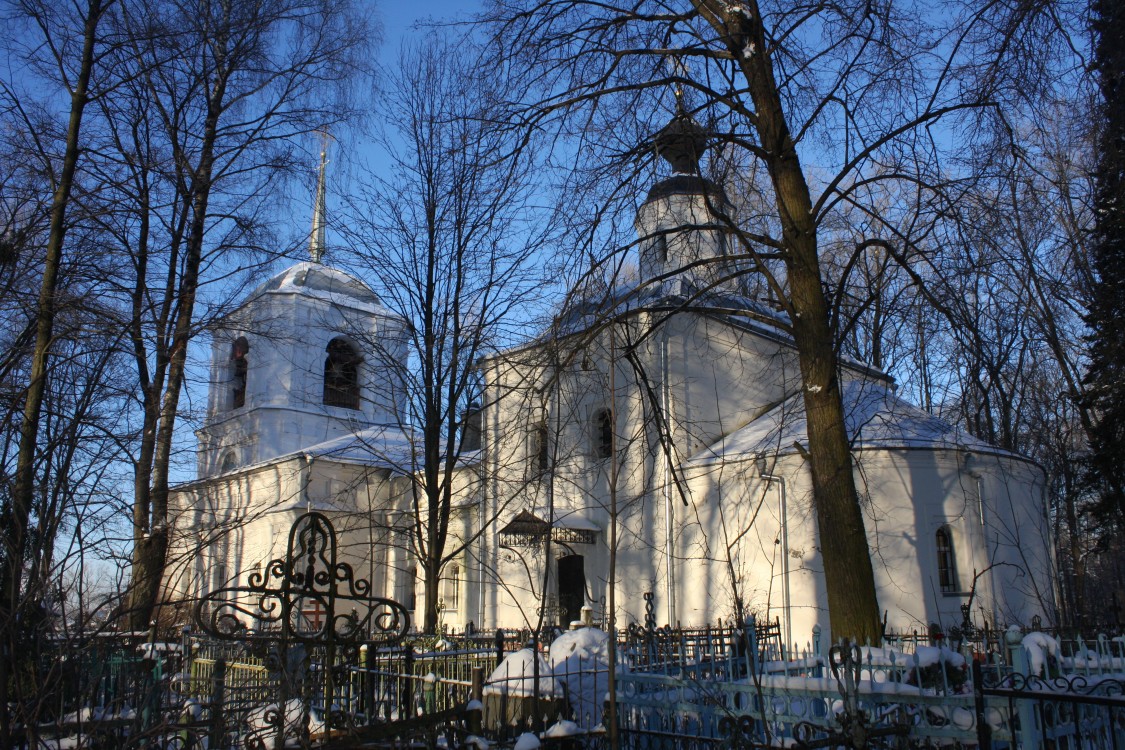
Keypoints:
(681, 71)
(317, 236)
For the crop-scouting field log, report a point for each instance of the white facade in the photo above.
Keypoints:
(673, 411)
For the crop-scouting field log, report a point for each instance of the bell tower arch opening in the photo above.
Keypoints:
(341, 374)
(239, 367)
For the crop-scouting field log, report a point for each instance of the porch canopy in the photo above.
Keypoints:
(527, 529)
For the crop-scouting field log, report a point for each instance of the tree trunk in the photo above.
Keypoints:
(852, 602)
(430, 612)
(151, 534)
(23, 488)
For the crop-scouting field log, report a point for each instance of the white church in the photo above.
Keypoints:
(669, 409)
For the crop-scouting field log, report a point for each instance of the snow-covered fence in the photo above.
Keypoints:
(106, 686)
(1058, 694)
(1032, 693)
(779, 702)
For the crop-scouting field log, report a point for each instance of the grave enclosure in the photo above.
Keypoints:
(303, 656)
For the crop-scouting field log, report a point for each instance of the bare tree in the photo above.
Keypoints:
(207, 120)
(1106, 394)
(451, 236)
(74, 74)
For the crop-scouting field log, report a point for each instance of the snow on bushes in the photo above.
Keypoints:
(581, 659)
(1042, 652)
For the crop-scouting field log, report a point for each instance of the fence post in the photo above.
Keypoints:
(984, 730)
(750, 643)
(429, 692)
(368, 677)
(406, 693)
(476, 692)
(218, 688)
(185, 650)
(537, 719)
(499, 646)
(816, 650)
(1025, 707)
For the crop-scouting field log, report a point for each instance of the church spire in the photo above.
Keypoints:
(316, 237)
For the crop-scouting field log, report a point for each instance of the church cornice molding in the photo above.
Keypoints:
(337, 413)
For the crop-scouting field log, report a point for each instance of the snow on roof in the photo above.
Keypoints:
(587, 314)
(673, 294)
(322, 282)
(572, 521)
(564, 518)
(381, 446)
(875, 417)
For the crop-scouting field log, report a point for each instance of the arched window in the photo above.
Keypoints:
(238, 367)
(538, 451)
(947, 561)
(453, 588)
(603, 433)
(471, 428)
(341, 375)
(228, 462)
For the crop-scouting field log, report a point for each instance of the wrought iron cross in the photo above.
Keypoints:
(308, 596)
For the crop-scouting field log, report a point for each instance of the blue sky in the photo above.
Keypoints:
(399, 15)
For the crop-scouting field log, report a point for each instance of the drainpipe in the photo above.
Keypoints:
(977, 475)
(485, 444)
(669, 542)
(307, 460)
(786, 601)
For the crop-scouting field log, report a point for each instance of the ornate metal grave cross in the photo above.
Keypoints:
(307, 599)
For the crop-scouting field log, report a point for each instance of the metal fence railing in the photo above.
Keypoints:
(676, 687)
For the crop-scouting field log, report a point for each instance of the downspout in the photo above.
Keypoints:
(786, 602)
(987, 554)
(485, 443)
(306, 468)
(669, 542)
(384, 477)
(978, 477)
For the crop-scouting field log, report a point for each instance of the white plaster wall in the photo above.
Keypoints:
(664, 218)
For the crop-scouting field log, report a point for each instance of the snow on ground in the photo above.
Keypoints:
(516, 676)
(805, 664)
(527, 741)
(562, 728)
(153, 650)
(927, 656)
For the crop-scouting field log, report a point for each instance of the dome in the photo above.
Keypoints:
(316, 280)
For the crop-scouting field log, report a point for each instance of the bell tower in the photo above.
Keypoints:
(310, 355)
